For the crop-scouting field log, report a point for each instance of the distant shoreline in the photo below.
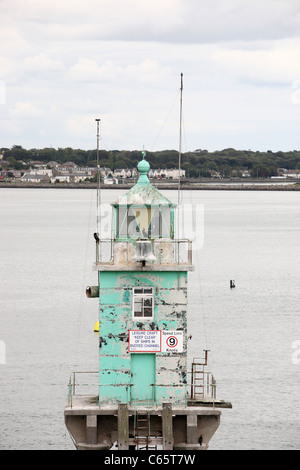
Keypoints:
(207, 186)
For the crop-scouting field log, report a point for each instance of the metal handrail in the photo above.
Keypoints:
(109, 245)
(73, 384)
(207, 386)
(207, 390)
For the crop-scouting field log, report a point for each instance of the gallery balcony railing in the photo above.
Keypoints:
(163, 252)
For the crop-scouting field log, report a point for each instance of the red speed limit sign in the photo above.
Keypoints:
(172, 341)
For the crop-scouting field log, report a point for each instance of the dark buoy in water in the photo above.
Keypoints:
(232, 284)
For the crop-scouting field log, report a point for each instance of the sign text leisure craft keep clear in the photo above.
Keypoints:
(144, 341)
(155, 341)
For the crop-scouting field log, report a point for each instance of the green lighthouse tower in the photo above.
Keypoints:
(146, 395)
(143, 302)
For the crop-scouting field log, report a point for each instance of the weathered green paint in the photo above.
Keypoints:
(170, 306)
(143, 376)
(132, 377)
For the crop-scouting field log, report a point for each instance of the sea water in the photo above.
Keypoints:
(252, 331)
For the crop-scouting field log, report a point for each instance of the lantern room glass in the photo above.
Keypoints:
(144, 222)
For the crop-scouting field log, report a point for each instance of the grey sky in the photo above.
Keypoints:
(64, 63)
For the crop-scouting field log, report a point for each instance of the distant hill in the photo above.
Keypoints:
(226, 163)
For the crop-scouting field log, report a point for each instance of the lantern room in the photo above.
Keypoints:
(143, 213)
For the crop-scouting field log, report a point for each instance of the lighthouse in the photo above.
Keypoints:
(147, 397)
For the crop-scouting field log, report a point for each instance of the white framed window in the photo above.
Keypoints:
(143, 303)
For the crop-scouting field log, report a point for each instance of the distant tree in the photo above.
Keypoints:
(201, 162)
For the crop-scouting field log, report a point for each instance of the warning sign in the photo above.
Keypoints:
(172, 341)
(144, 341)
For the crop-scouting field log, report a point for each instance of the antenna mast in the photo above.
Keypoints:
(98, 179)
(180, 138)
(180, 145)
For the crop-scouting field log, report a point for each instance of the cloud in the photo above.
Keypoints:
(266, 66)
(42, 62)
(219, 20)
(11, 39)
(88, 70)
(26, 110)
(172, 21)
(65, 62)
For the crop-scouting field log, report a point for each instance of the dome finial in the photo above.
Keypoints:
(143, 167)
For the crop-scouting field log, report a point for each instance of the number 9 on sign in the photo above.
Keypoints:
(172, 341)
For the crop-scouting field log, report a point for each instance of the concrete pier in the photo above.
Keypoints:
(170, 427)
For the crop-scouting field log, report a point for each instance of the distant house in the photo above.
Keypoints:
(105, 172)
(17, 173)
(171, 173)
(295, 174)
(52, 164)
(110, 180)
(284, 173)
(89, 171)
(174, 173)
(119, 173)
(33, 178)
(214, 174)
(10, 174)
(43, 171)
(77, 177)
(60, 179)
(123, 173)
(70, 165)
(36, 163)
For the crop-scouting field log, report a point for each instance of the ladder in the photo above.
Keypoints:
(198, 383)
(203, 384)
(142, 430)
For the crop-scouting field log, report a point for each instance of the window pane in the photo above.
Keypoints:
(132, 226)
(143, 302)
(147, 312)
(138, 314)
(154, 227)
(138, 306)
(122, 222)
(148, 291)
(138, 290)
(165, 222)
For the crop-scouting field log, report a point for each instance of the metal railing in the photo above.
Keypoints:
(74, 384)
(166, 251)
(78, 388)
(202, 386)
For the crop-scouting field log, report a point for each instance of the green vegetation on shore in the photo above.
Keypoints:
(227, 162)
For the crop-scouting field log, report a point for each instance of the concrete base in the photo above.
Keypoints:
(169, 427)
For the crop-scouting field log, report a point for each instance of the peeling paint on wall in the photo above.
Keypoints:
(116, 319)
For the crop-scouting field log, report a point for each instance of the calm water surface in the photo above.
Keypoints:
(46, 322)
